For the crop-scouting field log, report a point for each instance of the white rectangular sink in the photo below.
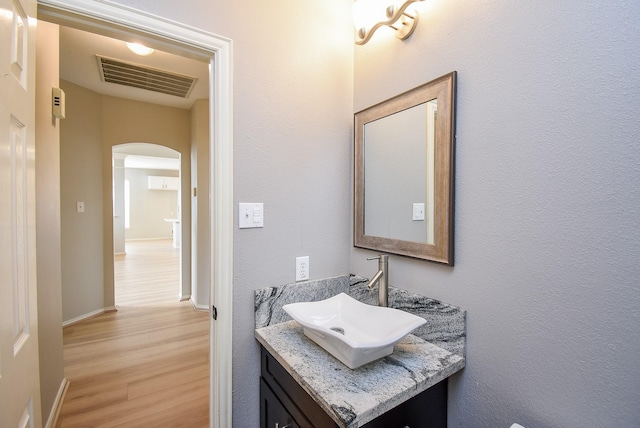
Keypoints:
(353, 332)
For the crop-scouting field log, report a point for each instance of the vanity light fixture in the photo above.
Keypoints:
(369, 15)
(139, 49)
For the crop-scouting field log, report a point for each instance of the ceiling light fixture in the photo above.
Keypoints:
(369, 15)
(139, 49)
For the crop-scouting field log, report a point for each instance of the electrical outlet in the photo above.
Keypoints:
(302, 268)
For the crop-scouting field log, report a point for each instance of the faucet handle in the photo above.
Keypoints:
(381, 257)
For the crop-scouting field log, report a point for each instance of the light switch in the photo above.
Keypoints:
(250, 215)
(257, 213)
(418, 211)
(80, 207)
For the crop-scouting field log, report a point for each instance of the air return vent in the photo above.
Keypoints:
(139, 76)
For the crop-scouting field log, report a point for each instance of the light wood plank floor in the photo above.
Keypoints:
(146, 365)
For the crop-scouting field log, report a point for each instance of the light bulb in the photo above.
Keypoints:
(139, 49)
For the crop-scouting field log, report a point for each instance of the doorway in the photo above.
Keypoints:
(113, 19)
(147, 219)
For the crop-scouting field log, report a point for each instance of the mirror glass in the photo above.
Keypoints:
(404, 173)
(388, 195)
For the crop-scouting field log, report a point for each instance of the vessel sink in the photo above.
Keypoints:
(353, 332)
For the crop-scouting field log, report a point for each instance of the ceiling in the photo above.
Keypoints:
(79, 65)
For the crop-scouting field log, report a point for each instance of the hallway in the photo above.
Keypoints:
(146, 364)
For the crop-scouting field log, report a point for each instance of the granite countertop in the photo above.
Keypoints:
(354, 397)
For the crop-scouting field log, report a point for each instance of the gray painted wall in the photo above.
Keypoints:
(547, 204)
(292, 151)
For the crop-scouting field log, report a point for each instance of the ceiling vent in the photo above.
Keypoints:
(139, 76)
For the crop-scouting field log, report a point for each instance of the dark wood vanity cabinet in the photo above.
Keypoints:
(282, 397)
(272, 411)
(283, 403)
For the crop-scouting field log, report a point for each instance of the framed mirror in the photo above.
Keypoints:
(404, 170)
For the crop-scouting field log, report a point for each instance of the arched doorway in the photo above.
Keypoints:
(147, 217)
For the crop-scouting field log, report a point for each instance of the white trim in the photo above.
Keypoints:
(112, 18)
(221, 285)
(57, 404)
(182, 298)
(89, 315)
(198, 307)
(161, 238)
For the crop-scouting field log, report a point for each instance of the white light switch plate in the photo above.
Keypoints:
(418, 211)
(250, 215)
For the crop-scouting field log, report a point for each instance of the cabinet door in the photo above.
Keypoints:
(172, 183)
(155, 182)
(304, 410)
(426, 410)
(272, 413)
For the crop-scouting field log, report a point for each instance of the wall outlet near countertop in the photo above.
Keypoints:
(302, 268)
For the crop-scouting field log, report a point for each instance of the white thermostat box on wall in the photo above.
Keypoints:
(57, 100)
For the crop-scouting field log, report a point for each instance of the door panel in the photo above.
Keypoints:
(19, 372)
(20, 280)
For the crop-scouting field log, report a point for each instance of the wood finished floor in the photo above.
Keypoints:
(146, 365)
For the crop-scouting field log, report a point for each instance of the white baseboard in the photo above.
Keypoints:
(159, 238)
(89, 315)
(198, 307)
(182, 298)
(57, 404)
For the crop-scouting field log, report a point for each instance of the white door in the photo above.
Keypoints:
(19, 372)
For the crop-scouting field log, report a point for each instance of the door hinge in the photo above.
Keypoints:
(214, 312)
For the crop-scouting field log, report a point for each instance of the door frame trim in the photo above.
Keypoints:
(114, 19)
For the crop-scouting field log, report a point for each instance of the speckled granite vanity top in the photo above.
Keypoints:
(355, 397)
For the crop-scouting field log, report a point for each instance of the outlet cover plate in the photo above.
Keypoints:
(302, 268)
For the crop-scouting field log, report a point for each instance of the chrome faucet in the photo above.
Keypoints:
(381, 277)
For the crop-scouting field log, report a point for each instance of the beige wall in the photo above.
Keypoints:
(94, 124)
(48, 220)
(200, 204)
(149, 208)
(81, 179)
(126, 121)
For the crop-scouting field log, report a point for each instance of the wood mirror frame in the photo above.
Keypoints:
(441, 251)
